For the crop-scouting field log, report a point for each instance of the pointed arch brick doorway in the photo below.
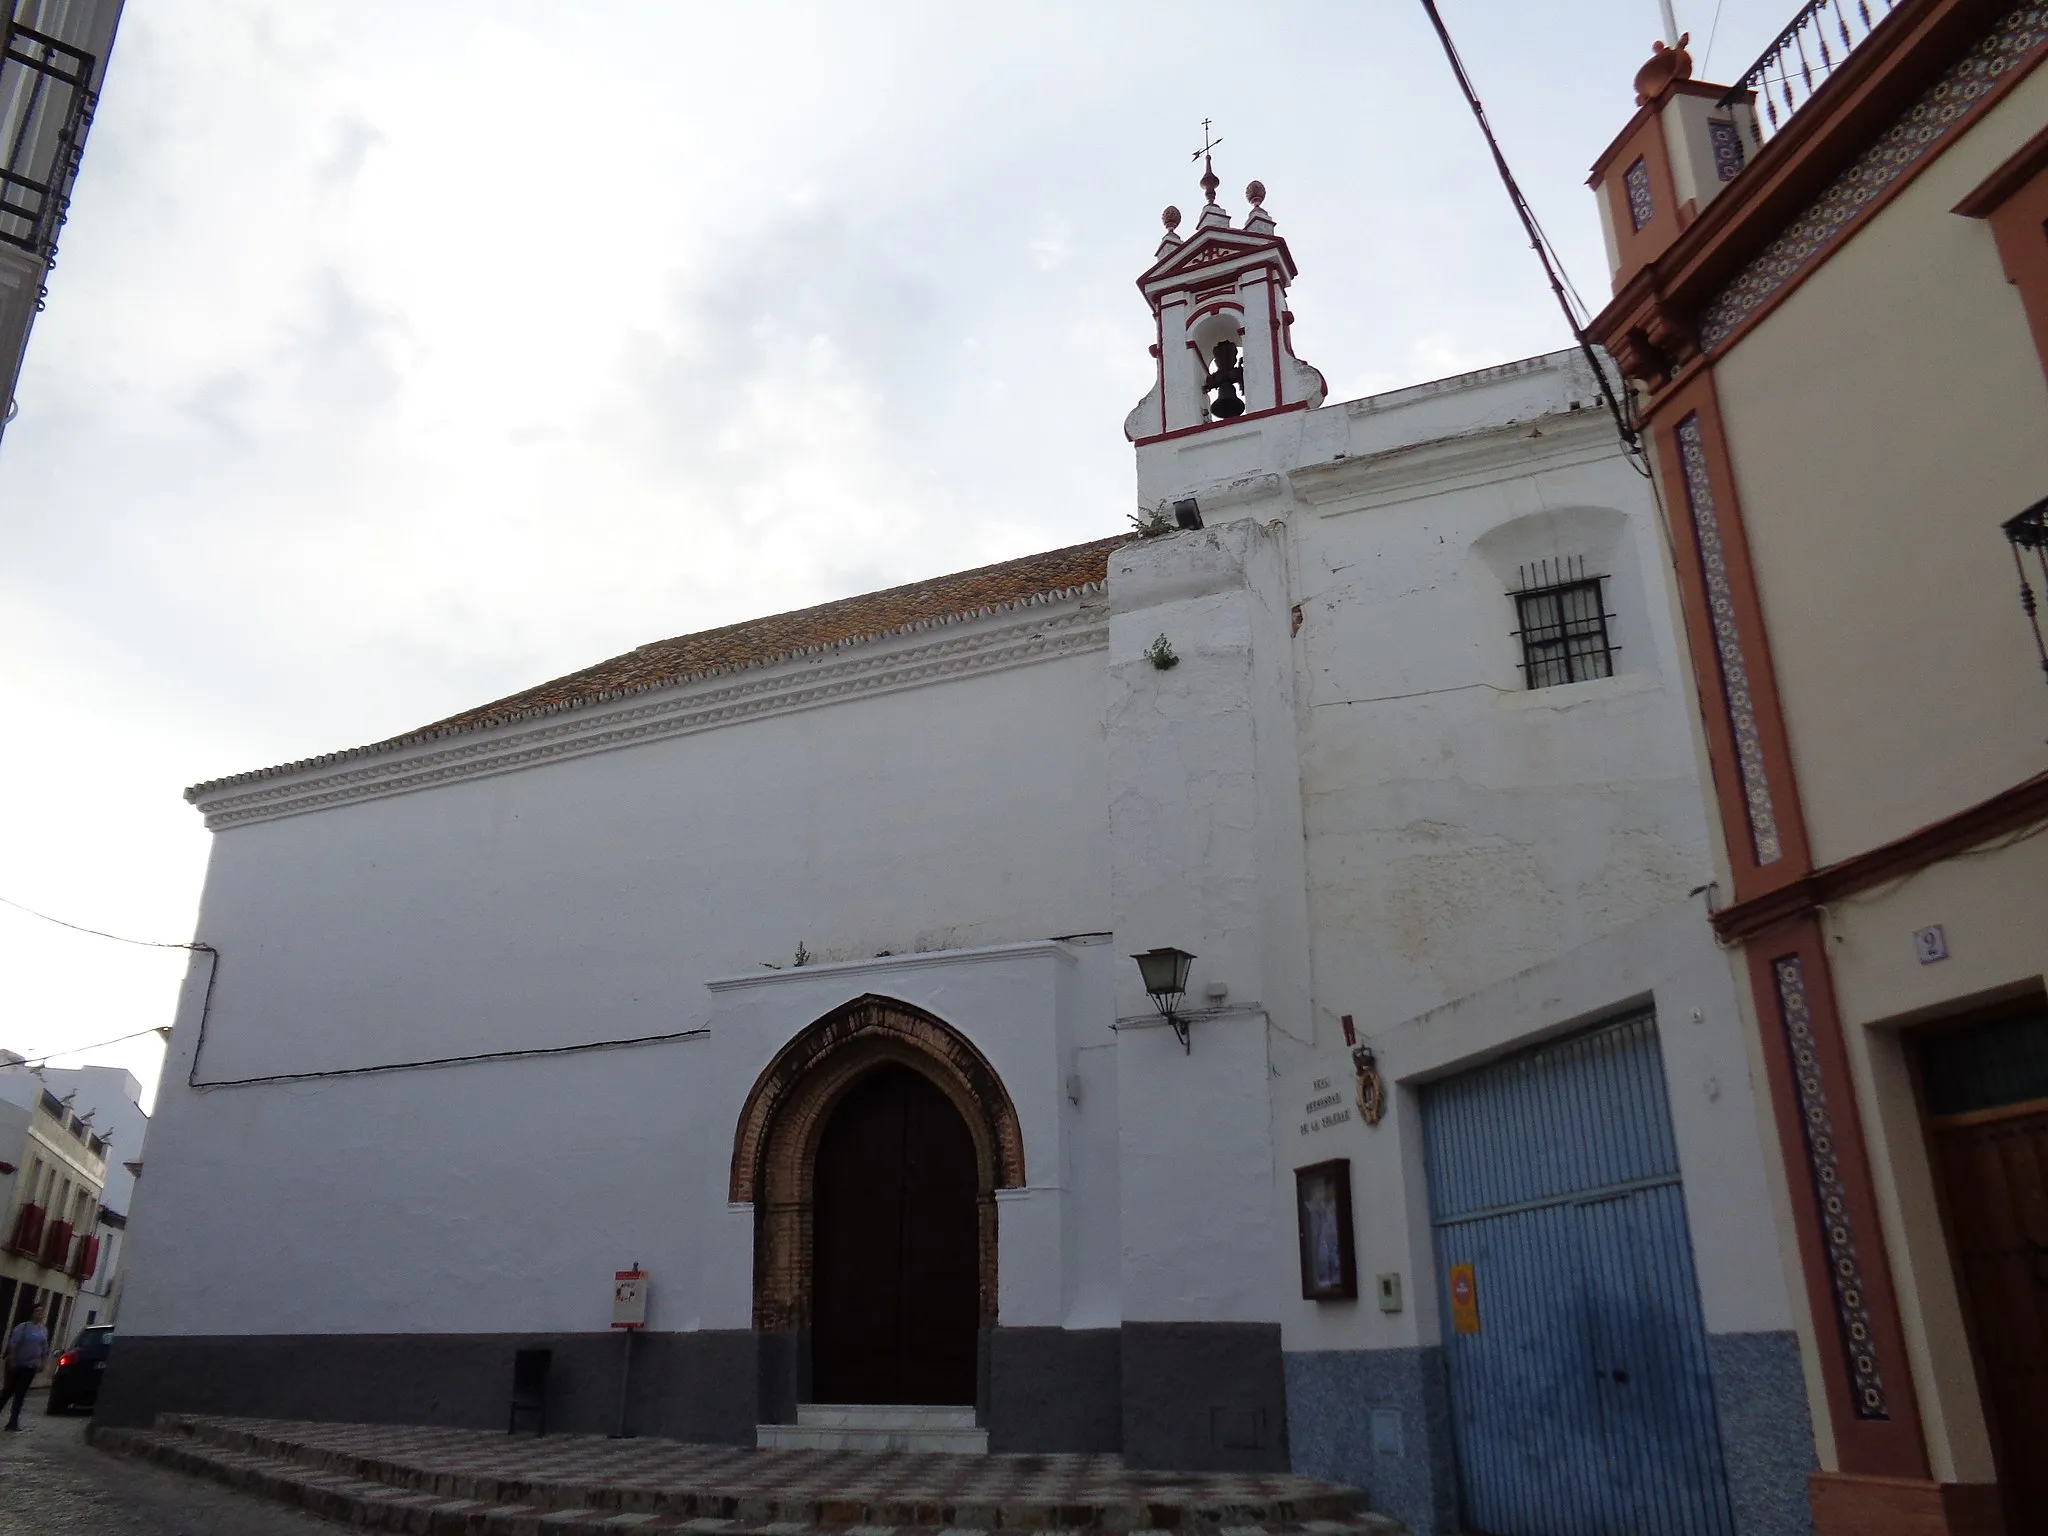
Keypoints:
(871, 1149)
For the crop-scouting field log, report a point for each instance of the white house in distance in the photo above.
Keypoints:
(53, 1167)
(109, 1100)
(808, 940)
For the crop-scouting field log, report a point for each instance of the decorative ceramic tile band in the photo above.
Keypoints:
(1726, 140)
(1907, 142)
(1749, 747)
(1824, 1166)
(1641, 207)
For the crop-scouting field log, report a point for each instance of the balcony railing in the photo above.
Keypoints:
(2030, 531)
(46, 105)
(1799, 62)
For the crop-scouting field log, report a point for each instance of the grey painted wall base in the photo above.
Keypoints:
(1766, 1432)
(783, 1371)
(1378, 1419)
(1045, 1389)
(1184, 1396)
(1381, 1420)
(1204, 1397)
(686, 1386)
(1055, 1389)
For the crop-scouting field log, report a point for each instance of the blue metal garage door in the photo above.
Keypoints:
(1580, 1398)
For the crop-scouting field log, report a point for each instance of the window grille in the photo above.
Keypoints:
(1563, 618)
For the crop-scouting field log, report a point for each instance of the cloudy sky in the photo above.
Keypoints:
(402, 354)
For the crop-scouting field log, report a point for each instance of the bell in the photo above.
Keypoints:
(1226, 379)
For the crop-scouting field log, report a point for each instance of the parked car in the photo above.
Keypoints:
(76, 1381)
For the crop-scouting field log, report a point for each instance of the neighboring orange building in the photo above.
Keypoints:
(1831, 296)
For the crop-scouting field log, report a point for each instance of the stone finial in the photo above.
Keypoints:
(1170, 241)
(1213, 217)
(1258, 221)
(1664, 66)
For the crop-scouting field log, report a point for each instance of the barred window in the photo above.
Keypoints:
(1563, 622)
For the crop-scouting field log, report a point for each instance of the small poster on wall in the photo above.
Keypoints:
(629, 1297)
(1322, 1207)
(1464, 1299)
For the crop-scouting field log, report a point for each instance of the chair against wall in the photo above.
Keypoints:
(530, 1388)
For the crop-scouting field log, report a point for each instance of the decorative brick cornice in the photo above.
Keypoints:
(1949, 103)
(1497, 451)
(1043, 630)
(828, 970)
(1929, 69)
(2010, 810)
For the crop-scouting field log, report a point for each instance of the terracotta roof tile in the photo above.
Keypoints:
(760, 642)
(757, 641)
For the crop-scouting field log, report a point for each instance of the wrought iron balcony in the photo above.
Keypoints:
(1802, 57)
(46, 105)
(2030, 531)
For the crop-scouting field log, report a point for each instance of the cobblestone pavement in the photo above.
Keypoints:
(53, 1484)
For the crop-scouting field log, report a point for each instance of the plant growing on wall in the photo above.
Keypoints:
(1153, 523)
(1160, 654)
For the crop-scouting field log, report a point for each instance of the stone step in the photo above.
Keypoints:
(376, 1506)
(435, 1481)
(950, 1440)
(905, 1416)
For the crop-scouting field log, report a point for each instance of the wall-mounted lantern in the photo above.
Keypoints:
(1165, 972)
(2030, 531)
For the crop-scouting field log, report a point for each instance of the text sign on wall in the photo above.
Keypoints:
(1464, 1299)
(1324, 1108)
(629, 1298)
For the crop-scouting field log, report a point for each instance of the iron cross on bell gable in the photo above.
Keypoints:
(1209, 181)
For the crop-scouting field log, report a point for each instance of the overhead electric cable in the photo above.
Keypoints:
(98, 933)
(159, 1030)
(194, 947)
(193, 1079)
(1553, 267)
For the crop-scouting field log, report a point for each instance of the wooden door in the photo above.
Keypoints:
(895, 1310)
(1987, 1099)
(1994, 1174)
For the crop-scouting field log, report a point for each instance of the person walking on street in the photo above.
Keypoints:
(22, 1358)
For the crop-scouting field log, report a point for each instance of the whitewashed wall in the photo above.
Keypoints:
(1342, 799)
(587, 900)
(1668, 961)
(1485, 864)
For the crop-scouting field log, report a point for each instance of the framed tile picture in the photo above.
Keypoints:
(1322, 1210)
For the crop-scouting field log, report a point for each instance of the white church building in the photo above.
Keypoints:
(791, 963)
